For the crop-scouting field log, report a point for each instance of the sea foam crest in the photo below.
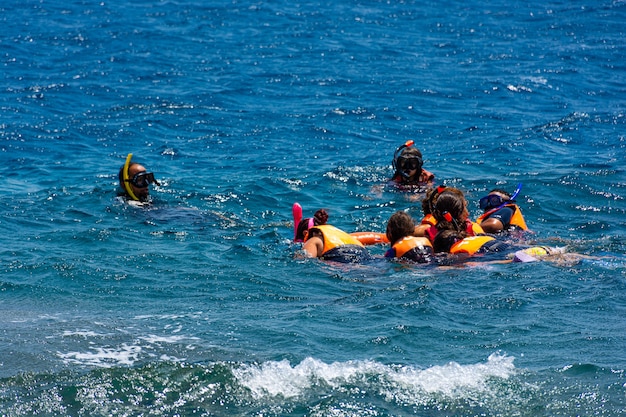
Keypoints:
(281, 379)
(104, 357)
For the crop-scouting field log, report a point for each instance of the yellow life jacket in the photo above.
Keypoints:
(477, 229)
(334, 237)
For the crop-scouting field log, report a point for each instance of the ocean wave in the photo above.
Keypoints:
(277, 388)
(280, 378)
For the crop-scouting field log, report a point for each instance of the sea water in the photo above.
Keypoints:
(201, 304)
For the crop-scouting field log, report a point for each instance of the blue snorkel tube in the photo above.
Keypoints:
(516, 193)
(512, 199)
(487, 203)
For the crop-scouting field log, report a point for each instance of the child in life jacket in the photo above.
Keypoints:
(324, 241)
(428, 204)
(501, 214)
(404, 245)
(450, 213)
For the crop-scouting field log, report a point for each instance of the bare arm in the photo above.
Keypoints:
(314, 247)
(492, 225)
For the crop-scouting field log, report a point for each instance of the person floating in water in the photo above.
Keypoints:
(459, 243)
(501, 214)
(135, 181)
(321, 240)
(428, 204)
(404, 245)
(450, 212)
(409, 171)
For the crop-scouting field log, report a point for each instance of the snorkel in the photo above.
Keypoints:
(296, 211)
(403, 172)
(127, 187)
(517, 190)
(512, 198)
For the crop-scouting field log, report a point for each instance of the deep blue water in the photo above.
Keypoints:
(200, 305)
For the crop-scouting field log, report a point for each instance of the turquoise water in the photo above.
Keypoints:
(199, 305)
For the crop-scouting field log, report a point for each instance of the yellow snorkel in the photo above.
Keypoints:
(127, 187)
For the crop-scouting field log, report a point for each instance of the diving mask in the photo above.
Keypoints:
(143, 179)
(407, 165)
(494, 201)
(491, 201)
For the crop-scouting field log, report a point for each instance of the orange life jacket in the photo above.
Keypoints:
(429, 219)
(517, 219)
(413, 248)
(471, 228)
(471, 244)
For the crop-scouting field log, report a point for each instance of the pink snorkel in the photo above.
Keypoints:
(296, 211)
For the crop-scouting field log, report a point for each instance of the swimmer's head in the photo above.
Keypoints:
(450, 209)
(498, 197)
(400, 225)
(320, 218)
(494, 199)
(428, 204)
(135, 180)
(408, 160)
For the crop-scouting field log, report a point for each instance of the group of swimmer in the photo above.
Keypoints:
(444, 230)
(444, 234)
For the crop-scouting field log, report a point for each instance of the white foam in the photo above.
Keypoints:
(104, 357)
(281, 379)
(154, 339)
(82, 333)
(449, 378)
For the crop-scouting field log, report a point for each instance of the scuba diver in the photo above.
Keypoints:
(135, 181)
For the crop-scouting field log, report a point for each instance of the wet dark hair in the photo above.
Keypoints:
(400, 225)
(452, 203)
(319, 218)
(410, 152)
(501, 191)
(445, 239)
(428, 203)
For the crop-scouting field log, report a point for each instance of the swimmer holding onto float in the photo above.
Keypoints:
(321, 240)
(452, 247)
